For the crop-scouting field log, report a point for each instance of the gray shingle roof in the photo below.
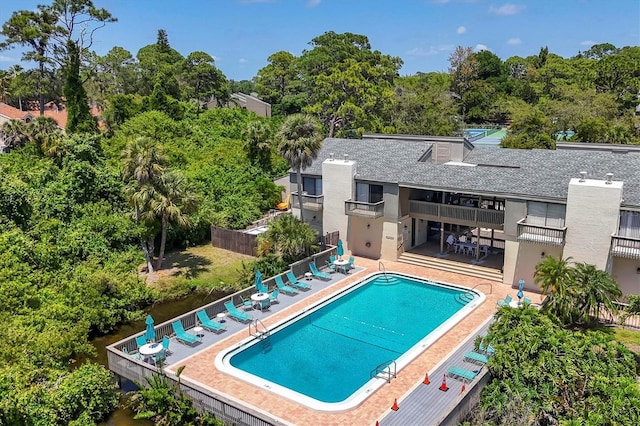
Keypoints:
(533, 174)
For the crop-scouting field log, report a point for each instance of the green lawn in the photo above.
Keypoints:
(201, 268)
(630, 338)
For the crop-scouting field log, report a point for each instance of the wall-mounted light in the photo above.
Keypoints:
(314, 218)
(405, 227)
(638, 271)
(368, 225)
(542, 254)
(368, 244)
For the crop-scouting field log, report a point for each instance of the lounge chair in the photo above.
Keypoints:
(287, 289)
(506, 301)
(141, 341)
(330, 265)
(461, 373)
(237, 314)
(181, 335)
(476, 358)
(273, 296)
(295, 283)
(207, 323)
(316, 273)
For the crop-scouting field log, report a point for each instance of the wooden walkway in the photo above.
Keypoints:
(427, 404)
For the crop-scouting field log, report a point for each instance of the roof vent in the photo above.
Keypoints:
(609, 176)
(331, 156)
(583, 175)
(346, 158)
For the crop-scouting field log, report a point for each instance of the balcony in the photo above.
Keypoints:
(626, 247)
(309, 202)
(462, 215)
(541, 234)
(364, 209)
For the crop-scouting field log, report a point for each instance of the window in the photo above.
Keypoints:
(312, 186)
(629, 224)
(546, 214)
(368, 193)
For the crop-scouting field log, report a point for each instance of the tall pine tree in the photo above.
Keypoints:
(79, 118)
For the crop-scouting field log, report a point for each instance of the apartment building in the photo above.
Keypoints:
(389, 195)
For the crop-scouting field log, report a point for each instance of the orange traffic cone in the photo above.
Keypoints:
(426, 379)
(462, 389)
(395, 407)
(443, 386)
(377, 424)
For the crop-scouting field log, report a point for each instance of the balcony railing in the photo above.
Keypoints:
(462, 215)
(309, 202)
(364, 209)
(626, 247)
(541, 234)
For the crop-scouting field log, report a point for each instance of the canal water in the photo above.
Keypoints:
(160, 312)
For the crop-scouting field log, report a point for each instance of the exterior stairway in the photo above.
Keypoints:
(451, 266)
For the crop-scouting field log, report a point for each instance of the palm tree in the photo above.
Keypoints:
(555, 278)
(300, 141)
(14, 134)
(44, 131)
(257, 137)
(142, 163)
(288, 237)
(171, 198)
(595, 288)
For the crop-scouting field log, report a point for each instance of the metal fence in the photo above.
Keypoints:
(608, 317)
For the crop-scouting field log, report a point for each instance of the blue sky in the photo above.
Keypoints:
(241, 34)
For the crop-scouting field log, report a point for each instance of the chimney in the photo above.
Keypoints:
(583, 175)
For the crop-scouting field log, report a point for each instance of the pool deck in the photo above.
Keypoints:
(199, 360)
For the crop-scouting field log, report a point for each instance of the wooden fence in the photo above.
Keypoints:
(235, 241)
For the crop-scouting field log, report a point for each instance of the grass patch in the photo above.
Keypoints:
(201, 268)
(630, 338)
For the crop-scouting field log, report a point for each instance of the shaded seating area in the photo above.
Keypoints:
(235, 313)
(181, 334)
(208, 324)
(286, 289)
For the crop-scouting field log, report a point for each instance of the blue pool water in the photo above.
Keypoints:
(330, 352)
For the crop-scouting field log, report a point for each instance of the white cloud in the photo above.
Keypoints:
(461, 29)
(243, 61)
(507, 9)
(429, 51)
(481, 47)
(313, 3)
(514, 41)
(587, 43)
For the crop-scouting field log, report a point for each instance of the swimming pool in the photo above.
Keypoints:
(326, 356)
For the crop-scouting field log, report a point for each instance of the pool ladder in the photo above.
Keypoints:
(383, 269)
(263, 335)
(385, 369)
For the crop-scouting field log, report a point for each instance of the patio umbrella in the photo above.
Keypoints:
(340, 249)
(520, 288)
(259, 281)
(150, 334)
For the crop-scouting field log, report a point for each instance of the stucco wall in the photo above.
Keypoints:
(514, 210)
(625, 272)
(338, 186)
